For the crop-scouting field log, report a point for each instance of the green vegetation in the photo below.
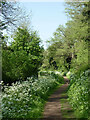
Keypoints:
(27, 99)
(27, 67)
(66, 109)
(78, 94)
(23, 57)
(68, 53)
(68, 48)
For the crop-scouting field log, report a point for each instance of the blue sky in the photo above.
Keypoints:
(46, 17)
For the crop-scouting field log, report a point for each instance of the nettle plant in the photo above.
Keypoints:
(78, 94)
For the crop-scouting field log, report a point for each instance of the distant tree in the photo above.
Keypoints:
(70, 43)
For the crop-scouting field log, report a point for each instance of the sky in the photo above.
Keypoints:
(45, 17)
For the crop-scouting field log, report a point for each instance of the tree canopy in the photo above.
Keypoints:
(69, 44)
(23, 57)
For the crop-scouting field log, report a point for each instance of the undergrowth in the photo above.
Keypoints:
(79, 94)
(26, 99)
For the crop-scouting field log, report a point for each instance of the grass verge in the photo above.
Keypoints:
(66, 110)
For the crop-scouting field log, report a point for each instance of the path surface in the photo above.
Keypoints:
(52, 110)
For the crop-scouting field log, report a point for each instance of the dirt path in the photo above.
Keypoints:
(52, 110)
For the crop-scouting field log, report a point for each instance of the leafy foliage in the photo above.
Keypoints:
(69, 49)
(26, 99)
(23, 57)
(67, 53)
(69, 45)
(79, 94)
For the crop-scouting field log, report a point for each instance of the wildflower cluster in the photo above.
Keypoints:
(78, 94)
(26, 99)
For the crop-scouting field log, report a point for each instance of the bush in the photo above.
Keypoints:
(55, 74)
(44, 73)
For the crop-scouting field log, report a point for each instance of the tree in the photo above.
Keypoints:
(59, 52)
(63, 44)
(11, 16)
(78, 27)
(78, 35)
(79, 14)
(23, 57)
(10, 12)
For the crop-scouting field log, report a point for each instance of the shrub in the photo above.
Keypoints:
(43, 73)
